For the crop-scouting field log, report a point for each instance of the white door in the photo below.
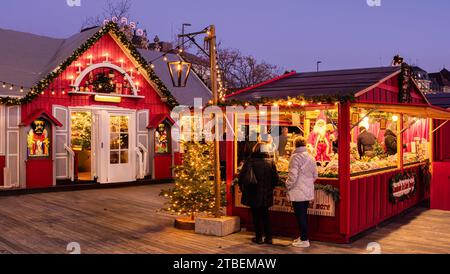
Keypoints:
(120, 146)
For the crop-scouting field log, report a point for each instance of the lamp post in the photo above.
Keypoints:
(318, 63)
(210, 39)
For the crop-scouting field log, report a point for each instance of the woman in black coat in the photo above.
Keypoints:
(390, 141)
(259, 195)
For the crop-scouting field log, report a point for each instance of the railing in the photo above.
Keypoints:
(71, 162)
(142, 153)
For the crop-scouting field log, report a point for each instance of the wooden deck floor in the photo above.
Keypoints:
(128, 220)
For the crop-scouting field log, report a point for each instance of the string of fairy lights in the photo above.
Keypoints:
(19, 94)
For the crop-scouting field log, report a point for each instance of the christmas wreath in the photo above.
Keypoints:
(399, 186)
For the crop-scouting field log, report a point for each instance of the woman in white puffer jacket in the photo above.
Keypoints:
(300, 187)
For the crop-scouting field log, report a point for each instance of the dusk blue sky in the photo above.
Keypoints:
(292, 34)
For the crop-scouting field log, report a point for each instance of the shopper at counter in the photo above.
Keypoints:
(300, 186)
(390, 142)
(257, 193)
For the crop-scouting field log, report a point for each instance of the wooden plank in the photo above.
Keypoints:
(129, 220)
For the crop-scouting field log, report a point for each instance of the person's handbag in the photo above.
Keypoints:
(249, 177)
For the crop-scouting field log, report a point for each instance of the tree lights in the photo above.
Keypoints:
(194, 183)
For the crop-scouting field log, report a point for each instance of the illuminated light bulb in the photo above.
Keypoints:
(247, 104)
(21, 89)
(303, 103)
(4, 85)
(366, 119)
(165, 58)
(11, 87)
(53, 92)
(289, 103)
(275, 104)
(63, 92)
(152, 65)
(180, 50)
(42, 93)
(395, 118)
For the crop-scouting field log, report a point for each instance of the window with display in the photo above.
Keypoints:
(38, 139)
(416, 140)
(319, 126)
(162, 138)
(106, 80)
(374, 141)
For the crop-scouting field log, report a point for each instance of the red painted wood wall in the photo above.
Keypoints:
(369, 199)
(163, 166)
(387, 92)
(442, 135)
(106, 44)
(2, 166)
(440, 186)
(39, 173)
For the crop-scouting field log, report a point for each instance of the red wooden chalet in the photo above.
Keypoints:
(78, 110)
(356, 189)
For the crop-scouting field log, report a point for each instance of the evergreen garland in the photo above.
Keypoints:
(43, 84)
(295, 101)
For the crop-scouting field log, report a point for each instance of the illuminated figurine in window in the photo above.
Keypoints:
(322, 150)
(319, 140)
(162, 143)
(37, 139)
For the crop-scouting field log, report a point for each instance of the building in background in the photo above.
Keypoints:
(421, 78)
(440, 81)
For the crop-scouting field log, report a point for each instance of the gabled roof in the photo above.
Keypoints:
(158, 119)
(194, 88)
(26, 121)
(442, 78)
(316, 84)
(27, 58)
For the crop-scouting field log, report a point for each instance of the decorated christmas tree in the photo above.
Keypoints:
(194, 182)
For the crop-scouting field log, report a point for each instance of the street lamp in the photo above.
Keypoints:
(179, 72)
(210, 40)
(318, 63)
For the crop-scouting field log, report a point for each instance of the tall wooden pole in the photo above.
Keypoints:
(213, 63)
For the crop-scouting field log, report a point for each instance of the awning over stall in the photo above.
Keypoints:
(410, 109)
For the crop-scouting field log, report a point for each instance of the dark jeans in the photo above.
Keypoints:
(261, 222)
(301, 213)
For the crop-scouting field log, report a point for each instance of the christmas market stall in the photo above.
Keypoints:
(369, 130)
(87, 109)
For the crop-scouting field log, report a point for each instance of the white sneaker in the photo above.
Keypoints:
(303, 244)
